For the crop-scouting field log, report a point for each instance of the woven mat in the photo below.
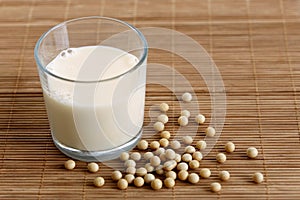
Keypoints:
(255, 45)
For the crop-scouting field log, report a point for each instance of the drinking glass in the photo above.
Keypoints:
(93, 115)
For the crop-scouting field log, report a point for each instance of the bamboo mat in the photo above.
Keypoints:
(255, 45)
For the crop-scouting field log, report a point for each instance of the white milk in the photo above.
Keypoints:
(95, 116)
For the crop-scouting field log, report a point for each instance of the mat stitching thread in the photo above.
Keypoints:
(257, 93)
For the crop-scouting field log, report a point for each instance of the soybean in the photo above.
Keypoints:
(169, 182)
(122, 184)
(99, 181)
(70, 164)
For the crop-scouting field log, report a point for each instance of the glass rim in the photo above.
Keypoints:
(44, 35)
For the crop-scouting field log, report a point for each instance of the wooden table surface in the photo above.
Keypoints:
(256, 47)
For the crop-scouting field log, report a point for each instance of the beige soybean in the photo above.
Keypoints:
(158, 126)
(164, 142)
(124, 156)
(165, 134)
(187, 97)
(130, 170)
(159, 151)
(116, 175)
(154, 145)
(169, 165)
(93, 167)
(155, 161)
(159, 170)
(210, 131)
(229, 147)
(215, 187)
(185, 113)
(164, 107)
(252, 152)
(171, 174)
(170, 154)
(136, 156)
(183, 175)
(189, 149)
(148, 178)
(182, 166)
(258, 177)
(99, 181)
(149, 167)
(193, 178)
(175, 144)
(138, 182)
(224, 175)
(221, 157)
(130, 163)
(169, 182)
(187, 139)
(142, 145)
(162, 157)
(183, 121)
(201, 145)
(129, 178)
(122, 184)
(197, 155)
(186, 157)
(70, 164)
(177, 157)
(141, 171)
(156, 184)
(148, 155)
(163, 118)
(200, 119)
(194, 164)
(205, 173)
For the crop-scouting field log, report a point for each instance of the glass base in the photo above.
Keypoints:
(97, 156)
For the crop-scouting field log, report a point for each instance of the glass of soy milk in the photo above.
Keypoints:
(93, 75)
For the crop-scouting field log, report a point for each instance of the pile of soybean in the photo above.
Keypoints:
(162, 165)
